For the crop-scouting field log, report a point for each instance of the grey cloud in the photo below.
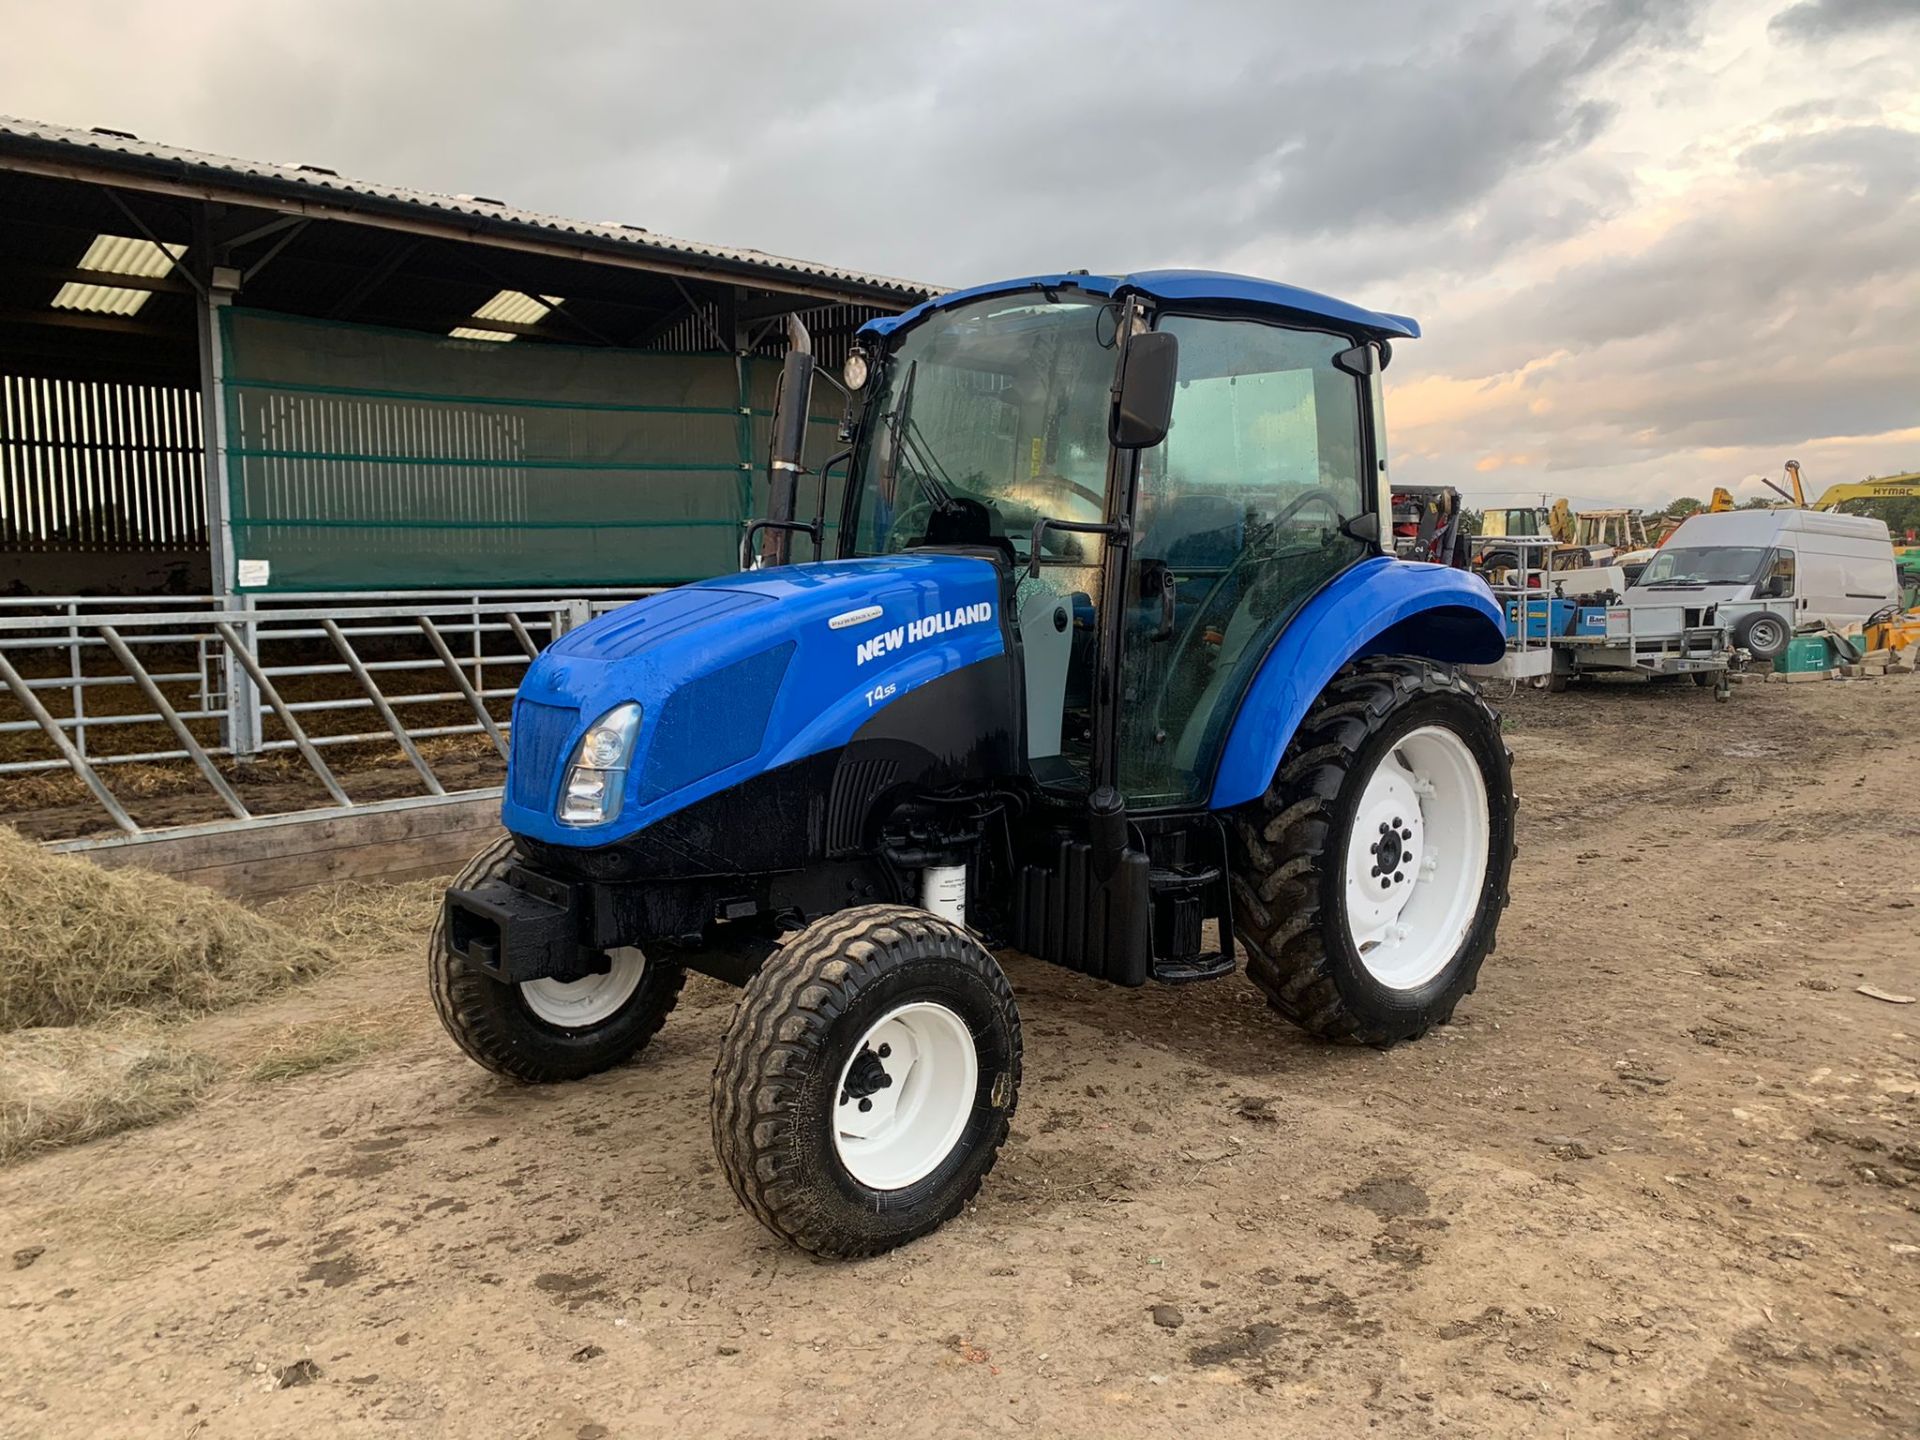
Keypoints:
(1780, 312)
(1879, 156)
(1836, 210)
(1816, 20)
(1002, 137)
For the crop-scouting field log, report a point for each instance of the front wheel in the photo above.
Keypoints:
(547, 1030)
(866, 1082)
(1370, 878)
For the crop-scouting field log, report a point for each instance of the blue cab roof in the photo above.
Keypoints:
(1175, 287)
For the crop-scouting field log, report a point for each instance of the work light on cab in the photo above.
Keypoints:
(591, 795)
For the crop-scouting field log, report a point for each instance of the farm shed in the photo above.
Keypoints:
(397, 390)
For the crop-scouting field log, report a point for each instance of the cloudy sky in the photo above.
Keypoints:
(1657, 245)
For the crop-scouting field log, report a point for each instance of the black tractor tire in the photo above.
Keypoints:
(800, 1022)
(494, 1024)
(1289, 885)
(1704, 678)
(1762, 635)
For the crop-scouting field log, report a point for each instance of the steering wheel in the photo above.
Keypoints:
(1318, 494)
(913, 520)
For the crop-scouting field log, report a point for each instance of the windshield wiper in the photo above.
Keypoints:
(901, 433)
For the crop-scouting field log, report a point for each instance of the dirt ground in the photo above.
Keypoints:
(1660, 1178)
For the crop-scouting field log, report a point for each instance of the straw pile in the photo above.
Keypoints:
(79, 943)
(61, 1086)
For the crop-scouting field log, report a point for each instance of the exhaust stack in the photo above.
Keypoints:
(790, 407)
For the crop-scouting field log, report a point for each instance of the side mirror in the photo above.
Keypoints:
(1143, 390)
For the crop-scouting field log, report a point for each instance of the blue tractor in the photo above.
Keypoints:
(1112, 664)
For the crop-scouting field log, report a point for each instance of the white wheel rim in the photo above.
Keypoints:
(1423, 814)
(590, 1000)
(917, 1070)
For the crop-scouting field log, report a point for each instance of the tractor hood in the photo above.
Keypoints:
(741, 674)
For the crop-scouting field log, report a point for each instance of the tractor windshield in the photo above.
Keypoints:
(988, 417)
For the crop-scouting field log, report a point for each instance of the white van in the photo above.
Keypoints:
(1836, 568)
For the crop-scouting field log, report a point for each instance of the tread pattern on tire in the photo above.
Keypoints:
(781, 1023)
(1281, 842)
(476, 1009)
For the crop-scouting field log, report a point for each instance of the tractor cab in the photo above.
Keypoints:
(1153, 565)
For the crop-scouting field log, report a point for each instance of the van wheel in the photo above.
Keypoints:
(1369, 880)
(1761, 634)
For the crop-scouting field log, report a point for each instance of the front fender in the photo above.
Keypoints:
(1381, 606)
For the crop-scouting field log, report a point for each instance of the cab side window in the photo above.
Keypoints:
(1779, 582)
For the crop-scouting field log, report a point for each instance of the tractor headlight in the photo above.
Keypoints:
(597, 774)
(854, 373)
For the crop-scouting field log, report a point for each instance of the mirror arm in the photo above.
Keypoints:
(754, 527)
(1365, 528)
(1363, 359)
(820, 504)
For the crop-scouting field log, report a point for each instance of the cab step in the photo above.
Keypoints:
(1179, 904)
(1211, 966)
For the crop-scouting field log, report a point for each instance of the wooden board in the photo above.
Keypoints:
(291, 853)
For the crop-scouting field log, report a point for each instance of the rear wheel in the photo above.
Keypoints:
(866, 1081)
(547, 1030)
(1370, 878)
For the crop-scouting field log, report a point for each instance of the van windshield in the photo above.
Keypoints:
(1704, 565)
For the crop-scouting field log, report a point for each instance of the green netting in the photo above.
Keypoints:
(361, 458)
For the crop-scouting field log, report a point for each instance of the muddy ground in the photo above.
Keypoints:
(1660, 1178)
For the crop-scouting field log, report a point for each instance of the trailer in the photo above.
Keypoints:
(1661, 642)
(1561, 631)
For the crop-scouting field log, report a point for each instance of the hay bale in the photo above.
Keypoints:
(62, 1086)
(80, 943)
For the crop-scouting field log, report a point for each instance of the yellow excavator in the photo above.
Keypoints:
(1874, 487)
(1898, 625)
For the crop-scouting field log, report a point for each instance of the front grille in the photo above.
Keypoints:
(539, 747)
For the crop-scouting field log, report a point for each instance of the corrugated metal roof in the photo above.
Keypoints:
(127, 154)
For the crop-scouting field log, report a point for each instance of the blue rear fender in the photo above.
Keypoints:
(1379, 607)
